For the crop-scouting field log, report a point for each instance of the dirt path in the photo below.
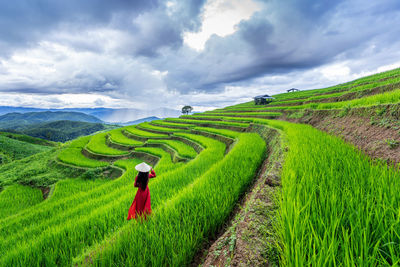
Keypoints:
(249, 238)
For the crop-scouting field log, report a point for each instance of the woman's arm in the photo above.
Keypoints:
(152, 174)
(136, 183)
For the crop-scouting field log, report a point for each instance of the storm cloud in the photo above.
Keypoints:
(131, 51)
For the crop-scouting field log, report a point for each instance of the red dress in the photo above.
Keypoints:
(141, 204)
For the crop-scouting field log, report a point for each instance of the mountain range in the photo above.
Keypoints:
(19, 121)
(110, 115)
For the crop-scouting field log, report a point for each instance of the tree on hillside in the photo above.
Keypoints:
(186, 110)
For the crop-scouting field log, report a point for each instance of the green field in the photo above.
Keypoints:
(335, 206)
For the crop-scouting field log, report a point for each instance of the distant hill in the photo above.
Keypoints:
(20, 121)
(139, 121)
(61, 131)
(105, 114)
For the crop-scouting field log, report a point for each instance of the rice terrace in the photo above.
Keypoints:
(319, 200)
(208, 133)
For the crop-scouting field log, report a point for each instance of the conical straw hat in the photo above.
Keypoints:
(143, 167)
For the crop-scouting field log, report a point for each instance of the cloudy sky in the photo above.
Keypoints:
(212, 53)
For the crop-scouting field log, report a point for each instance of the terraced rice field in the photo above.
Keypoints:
(336, 205)
(91, 213)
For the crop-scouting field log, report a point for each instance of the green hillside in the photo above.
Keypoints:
(62, 131)
(16, 146)
(319, 197)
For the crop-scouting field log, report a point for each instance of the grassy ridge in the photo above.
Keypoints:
(183, 149)
(255, 114)
(12, 149)
(224, 132)
(172, 124)
(118, 137)
(97, 144)
(133, 130)
(73, 155)
(222, 123)
(149, 126)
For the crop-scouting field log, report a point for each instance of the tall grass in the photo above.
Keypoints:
(16, 198)
(337, 207)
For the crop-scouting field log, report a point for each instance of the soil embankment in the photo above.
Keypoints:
(374, 130)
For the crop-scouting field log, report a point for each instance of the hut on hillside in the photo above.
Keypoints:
(292, 90)
(263, 99)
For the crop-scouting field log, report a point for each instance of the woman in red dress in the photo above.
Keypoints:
(141, 205)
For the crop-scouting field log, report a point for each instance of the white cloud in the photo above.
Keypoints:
(220, 17)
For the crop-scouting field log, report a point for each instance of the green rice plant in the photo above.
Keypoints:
(223, 132)
(165, 164)
(238, 119)
(297, 114)
(171, 124)
(248, 114)
(186, 219)
(133, 130)
(69, 187)
(88, 217)
(337, 207)
(392, 143)
(97, 144)
(391, 97)
(385, 98)
(116, 136)
(183, 149)
(74, 156)
(202, 116)
(222, 123)
(16, 198)
(79, 142)
(149, 126)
